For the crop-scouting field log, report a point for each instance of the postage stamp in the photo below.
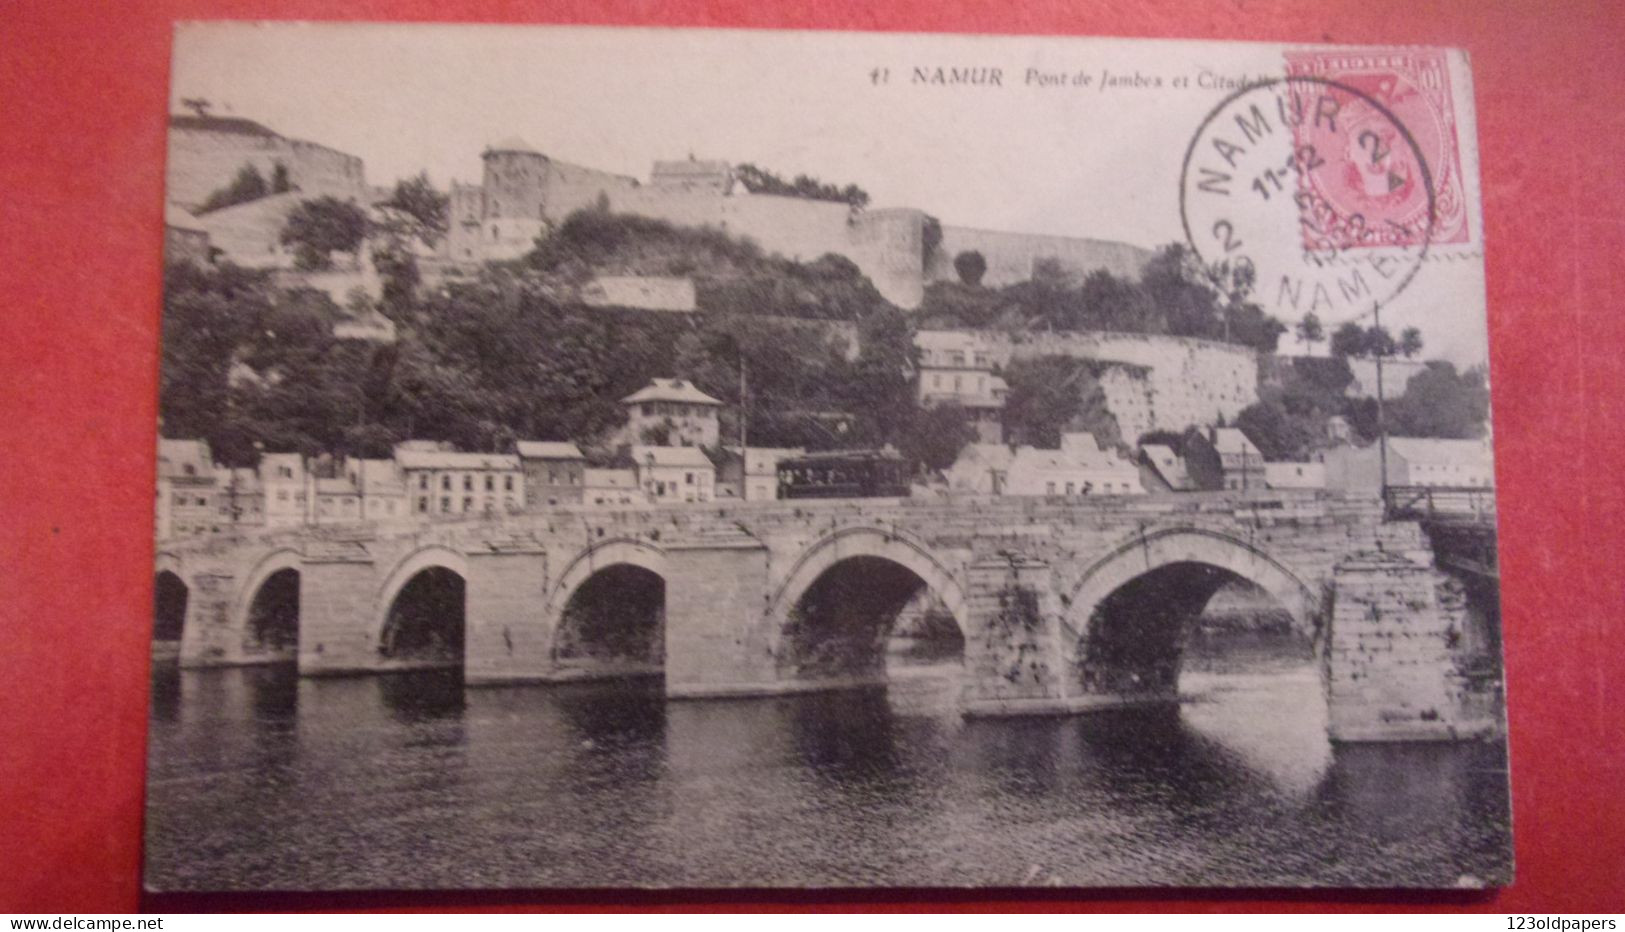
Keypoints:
(1376, 91)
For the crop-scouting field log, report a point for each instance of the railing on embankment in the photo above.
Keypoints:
(1460, 520)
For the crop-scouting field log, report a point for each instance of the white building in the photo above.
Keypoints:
(1295, 475)
(674, 474)
(282, 476)
(610, 487)
(752, 474)
(1106, 472)
(1239, 458)
(443, 483)
(186, 489)
(1434, 462)
(382, 488)
(955, 368)
(674, 408)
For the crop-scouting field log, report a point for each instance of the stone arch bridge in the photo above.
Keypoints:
(1063, 605)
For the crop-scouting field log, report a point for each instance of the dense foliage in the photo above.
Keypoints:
(762, 181)
(1289, 421)
(1173, 296)
(319, 227)
(248, 185)
(1052, 395)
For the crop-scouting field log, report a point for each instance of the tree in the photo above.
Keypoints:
(934, 436)
(1379, 342)
(1349, 340)
(971, 267)
(247, 186)
(1278, 433)
(1052, 395)
(415, 210)
(1439, 402)
(1310, 331)
(318, 228)
(1410, 342)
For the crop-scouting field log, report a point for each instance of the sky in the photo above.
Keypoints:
(1095, 159)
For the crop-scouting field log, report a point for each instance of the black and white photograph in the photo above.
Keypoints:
(601, 457)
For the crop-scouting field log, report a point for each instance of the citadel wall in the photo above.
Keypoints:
(524, 192)
(201, 161)
(1011, 256)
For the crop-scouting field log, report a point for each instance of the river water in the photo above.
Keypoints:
(259, 779)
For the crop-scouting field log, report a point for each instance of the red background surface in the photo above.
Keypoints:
(84, 92)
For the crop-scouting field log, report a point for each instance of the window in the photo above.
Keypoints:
(445, 483)
(423, 481)
(281, 495)
(285, 472)
(445, 504)
(1049, 488)
(688, 477)
(468, 503)
(189, 469)
(468, 483)
(490, 483)
(1070, 488)
(507, 483)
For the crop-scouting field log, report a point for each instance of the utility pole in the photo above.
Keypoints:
(742, 416)
(1382, 427)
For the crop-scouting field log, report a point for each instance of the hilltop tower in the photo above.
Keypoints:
(514, 200)
(515, 178)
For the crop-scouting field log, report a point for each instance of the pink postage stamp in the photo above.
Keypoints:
(1380, 188)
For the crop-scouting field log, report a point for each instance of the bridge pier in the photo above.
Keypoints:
(505, 640)
(1014, 655)
(1393, 664)
(336, 614)
(716, 642)
(210, 636)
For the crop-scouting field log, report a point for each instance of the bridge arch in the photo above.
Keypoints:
(866, 550)
(270, 635)
(1169, 574)
(606, 613)
(441, 571)
(170, 594)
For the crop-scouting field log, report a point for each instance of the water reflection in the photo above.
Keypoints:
(262, 779)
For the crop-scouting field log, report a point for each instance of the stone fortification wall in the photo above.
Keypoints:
(1185, 381)
(885, 244)
(569, 188)
(201, 161)
(1010, 256)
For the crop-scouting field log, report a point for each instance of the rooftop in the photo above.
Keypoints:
(670, 390)
(512, 144)
(548, 450)
(179, 218)
(437, 459)
(219, 124)
(609, 478)
(671, 456)
(1434, 451)
(1232, 440)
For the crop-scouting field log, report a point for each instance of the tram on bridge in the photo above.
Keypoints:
(844, 474)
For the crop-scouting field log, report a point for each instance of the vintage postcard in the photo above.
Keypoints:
(676, 458)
